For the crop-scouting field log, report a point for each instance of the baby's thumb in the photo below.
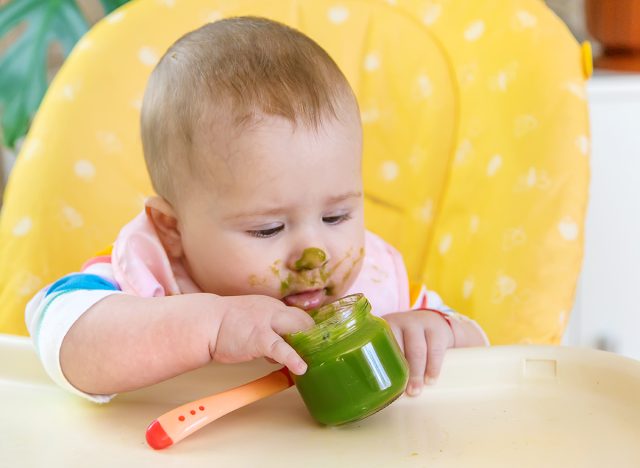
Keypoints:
(291, 320)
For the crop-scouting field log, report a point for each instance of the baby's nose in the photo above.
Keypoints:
(310, 259)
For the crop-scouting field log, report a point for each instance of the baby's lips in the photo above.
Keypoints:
(306, 300)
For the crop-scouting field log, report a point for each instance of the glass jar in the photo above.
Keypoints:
(355, 366)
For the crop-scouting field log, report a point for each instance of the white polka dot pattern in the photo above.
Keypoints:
(68, 92)
(582, 142)
(72, 218)
(513, 238)
(463, 152)
(109, 142)
(474, 31)
(425, 212)
(28, 284)
(389, 170)
(467, 288)
(577, 89)
(370, 116)
(525, 124)
(425, 86)
(445, 244)
(474, 223)
(338, 14)
(84, 169)
(505, 286)
(32, 147)
(148, 56)
(22, 227)
(568, 229)
(115, 17)
(213, 16)
(494, 165)
(372, 61)
(526, 19)
(431, 14)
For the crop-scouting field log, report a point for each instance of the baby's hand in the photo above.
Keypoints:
(424, 337)
(251, 327)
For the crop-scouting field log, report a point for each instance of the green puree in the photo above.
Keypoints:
(356, 368)
(311, 258)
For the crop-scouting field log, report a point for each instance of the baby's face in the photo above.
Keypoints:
(284, 217)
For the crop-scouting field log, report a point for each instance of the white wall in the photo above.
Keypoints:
(607, 308)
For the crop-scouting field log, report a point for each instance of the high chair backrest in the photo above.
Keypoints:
(475, 147)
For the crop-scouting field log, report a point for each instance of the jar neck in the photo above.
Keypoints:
(334, 322)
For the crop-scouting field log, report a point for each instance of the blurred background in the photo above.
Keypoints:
(606, 314)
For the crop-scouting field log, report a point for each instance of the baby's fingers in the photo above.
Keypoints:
(271, 345)
(397, 333)
(415, 350)
(437, 346)
(291, 320)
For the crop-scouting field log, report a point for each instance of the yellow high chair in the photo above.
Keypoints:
(476, 147)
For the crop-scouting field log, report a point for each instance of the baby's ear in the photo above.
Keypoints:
(164, 220)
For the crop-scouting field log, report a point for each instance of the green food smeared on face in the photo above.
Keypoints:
(253, 280)
(285, 284)
(311, 258)
(275, 269)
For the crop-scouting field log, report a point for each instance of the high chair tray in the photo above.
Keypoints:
(500, 406)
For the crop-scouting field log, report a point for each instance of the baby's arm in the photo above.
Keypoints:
(125, 342)
(94, 340)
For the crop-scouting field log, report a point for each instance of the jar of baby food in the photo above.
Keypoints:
(355, 366)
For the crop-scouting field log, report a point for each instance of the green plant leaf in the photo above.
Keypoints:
(23, 79)
(110, 5)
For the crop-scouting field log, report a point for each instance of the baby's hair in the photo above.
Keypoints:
(234, 71)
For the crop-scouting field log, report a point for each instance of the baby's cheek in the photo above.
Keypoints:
(345, 276)
(270, 282)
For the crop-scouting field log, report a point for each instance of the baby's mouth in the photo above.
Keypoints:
(306, 300)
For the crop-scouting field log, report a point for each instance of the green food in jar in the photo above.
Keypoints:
(355, 366)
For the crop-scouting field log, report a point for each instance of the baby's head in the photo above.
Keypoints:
(253, 142)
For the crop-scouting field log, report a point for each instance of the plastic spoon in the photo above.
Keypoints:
(183, 421)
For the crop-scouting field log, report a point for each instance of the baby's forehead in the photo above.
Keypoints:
(227, 138)
(262, 156)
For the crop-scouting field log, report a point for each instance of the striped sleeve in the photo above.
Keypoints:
(52, 312)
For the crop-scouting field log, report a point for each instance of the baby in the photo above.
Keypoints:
(253, 141)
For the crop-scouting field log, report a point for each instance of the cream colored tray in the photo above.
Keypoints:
(501, 406)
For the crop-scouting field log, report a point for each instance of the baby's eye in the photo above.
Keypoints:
(266, 232)
(336, 219)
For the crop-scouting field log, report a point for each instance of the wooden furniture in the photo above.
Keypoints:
(616, 24)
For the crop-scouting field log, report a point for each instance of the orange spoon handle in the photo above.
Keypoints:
(183, 421)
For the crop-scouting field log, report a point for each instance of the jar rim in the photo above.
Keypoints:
(334, 322)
